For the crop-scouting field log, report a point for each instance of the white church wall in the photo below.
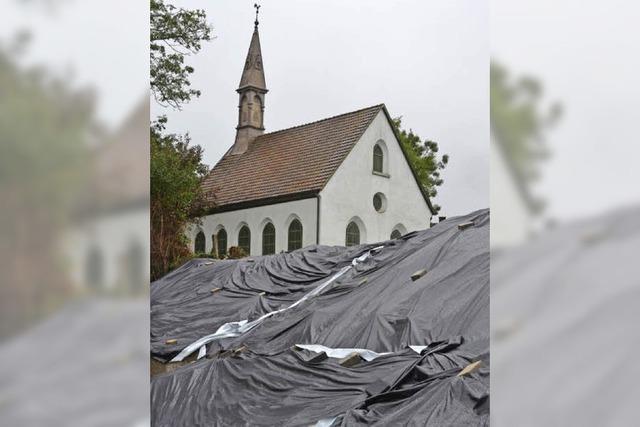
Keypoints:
(349, 193)
(112, 237)
(511, 222)
(280, 215)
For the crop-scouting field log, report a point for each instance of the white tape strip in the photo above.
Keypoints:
(340, 353)
(235, 329)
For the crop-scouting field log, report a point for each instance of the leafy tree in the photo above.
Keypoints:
(176, 166)
(518, 122)
(176, 196)
(174, 34)
(423, 157)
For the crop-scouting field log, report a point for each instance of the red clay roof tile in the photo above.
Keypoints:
(297, 160)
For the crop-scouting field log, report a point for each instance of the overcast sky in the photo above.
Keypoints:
(426, 60)
(586, 55)
(89, 45)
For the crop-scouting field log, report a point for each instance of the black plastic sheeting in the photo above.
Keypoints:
(375, 305)
(85, 365)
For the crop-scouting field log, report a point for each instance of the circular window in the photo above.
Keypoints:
(379, 202)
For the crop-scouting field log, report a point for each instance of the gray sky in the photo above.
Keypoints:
(585, 54)
(106, 48)
(426, 60)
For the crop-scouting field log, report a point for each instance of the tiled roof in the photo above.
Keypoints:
(292, 161)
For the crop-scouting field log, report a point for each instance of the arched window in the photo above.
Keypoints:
(268, 239)
(353, 234)
(199, 246)
(396, 234)
(135, 267)
(378, 159)
(222, 243)
(95, 268)
(295, 235)
(244, 110)
(244, 239)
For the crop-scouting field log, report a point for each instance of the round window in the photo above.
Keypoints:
(379, 202)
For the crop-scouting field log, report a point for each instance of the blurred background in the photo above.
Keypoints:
(74, 220)
(565, 207)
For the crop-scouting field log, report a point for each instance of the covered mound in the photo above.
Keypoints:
(399, 321)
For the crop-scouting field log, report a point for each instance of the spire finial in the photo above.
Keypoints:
(257, 6)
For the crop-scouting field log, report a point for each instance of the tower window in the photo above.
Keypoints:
(268, 239)
(353, 234)
(378, 159)
(257, 111)
(244, 110)
(244, 239)
(295, 235)
(199, 246)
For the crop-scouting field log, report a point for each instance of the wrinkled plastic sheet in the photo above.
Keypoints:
(423, 333)
(555, 301)
(85, 365)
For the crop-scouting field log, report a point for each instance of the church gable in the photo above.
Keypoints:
(377, 154)
(374, 188)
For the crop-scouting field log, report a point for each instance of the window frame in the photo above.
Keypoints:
(290, 239)
(246, 248)
(378, 157)
(383, 202)
(219, 252)
(271, 248)
(197, 242)
(94, 268)
(350, 233)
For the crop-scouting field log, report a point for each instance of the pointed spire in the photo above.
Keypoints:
(251, 93)
(253, 73)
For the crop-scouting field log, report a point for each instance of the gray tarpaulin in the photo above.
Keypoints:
(566, 303)
(260, 376)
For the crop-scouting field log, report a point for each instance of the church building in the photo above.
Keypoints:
(343, 180)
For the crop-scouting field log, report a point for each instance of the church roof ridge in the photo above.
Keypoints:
(337, 116)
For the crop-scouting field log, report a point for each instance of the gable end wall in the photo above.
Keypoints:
(349, 192)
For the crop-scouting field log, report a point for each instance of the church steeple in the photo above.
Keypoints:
(252, 91)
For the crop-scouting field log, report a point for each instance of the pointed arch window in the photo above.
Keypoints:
(257, 111)
(353, 234)
(268, 239)
(244, 110)
(294, 235)
(222, 243)
(199, 246)
(244, 239)
(94, 269)
(134, 263)
(396, 234)
(378, 159)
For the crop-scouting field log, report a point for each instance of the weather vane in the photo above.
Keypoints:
(257, 6)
